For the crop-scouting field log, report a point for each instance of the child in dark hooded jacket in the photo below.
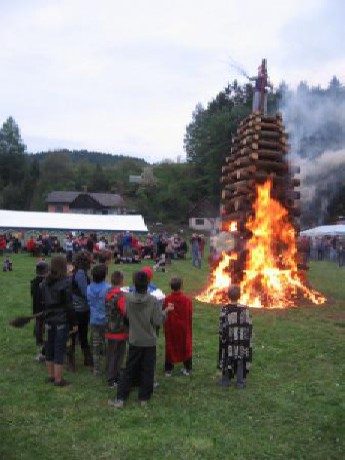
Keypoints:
(96, 293)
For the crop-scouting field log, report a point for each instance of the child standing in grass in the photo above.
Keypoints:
(235, 334)
(116, 328)
(58, 317)
(96, 293)
(178, 329)
(144, 315)
(42, 269)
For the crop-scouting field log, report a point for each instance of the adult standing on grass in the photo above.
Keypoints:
(195, 250)
(80, 281)
(59, 316)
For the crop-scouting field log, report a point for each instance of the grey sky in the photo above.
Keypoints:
(124, 77)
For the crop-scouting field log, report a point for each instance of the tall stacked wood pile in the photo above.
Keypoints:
(258, 153)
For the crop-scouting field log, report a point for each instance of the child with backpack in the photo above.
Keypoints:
(96, 293)
(116, 328)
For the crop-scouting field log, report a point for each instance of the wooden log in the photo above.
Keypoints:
(271, 165)
(274, 145)
(245, 184)
(229, 168)
(249, 139)
(263, 133)
(227, 195)
(266, 126)
(268, 155)
(264, 155)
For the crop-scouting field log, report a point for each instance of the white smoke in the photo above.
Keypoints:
(329, 168)
(315, 121)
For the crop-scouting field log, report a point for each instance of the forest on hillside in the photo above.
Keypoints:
(313, 118)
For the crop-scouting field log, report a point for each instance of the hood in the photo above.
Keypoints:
(139, 298)
(97, 289)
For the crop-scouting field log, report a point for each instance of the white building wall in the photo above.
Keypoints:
(207, 225)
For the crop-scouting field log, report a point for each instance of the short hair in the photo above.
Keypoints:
(99, 273)
(42, 268)
(141, 282)
(234, 293)
(104, 256)
(82, 260)
(176, 283)
(58, 268)
(116, 278)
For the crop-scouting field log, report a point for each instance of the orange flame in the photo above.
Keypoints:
(233, 226)
(271, 278)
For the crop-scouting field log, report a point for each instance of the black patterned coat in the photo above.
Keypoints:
(235, 338)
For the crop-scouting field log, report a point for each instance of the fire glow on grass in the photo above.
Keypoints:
(271, 278)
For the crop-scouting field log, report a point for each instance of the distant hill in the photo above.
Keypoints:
(96, 158)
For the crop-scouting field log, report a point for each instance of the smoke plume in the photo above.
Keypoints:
(315, 121)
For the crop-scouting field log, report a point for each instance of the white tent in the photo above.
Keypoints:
(330, 230)
(22, 220)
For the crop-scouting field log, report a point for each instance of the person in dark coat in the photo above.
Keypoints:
(58, 317)
(42, 269)
(235, 334)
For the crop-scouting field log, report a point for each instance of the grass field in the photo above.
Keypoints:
(292, 408)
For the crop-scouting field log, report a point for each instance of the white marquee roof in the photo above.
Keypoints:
(67, 221)
(325, 230)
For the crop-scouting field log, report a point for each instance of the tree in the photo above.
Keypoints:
(208, 137)
(13, 162)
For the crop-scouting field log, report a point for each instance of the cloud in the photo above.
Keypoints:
(126, 76)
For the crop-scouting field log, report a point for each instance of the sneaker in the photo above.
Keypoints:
(116, 403)
(112, 384)
(224, 382)
(40, 358)
(168, 374)
(155, 385)
(185, 372)
(241, 384)
(62, 383)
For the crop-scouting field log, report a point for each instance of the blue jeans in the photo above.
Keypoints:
(196, 259)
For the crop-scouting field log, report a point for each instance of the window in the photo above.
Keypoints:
(59, 208)
(199, 221)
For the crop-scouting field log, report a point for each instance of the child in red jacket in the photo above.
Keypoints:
(178, 329)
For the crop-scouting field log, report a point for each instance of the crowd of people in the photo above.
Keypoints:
(326, 247)
(126, 247)
(123, 247)
(117, 327)
(108, 319)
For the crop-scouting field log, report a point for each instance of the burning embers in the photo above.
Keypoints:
(271, 278)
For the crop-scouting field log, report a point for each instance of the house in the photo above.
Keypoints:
(204, 216)
(86, 203)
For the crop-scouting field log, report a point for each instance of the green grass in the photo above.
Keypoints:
(292, 408)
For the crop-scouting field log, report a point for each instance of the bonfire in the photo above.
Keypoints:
(271, 277)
